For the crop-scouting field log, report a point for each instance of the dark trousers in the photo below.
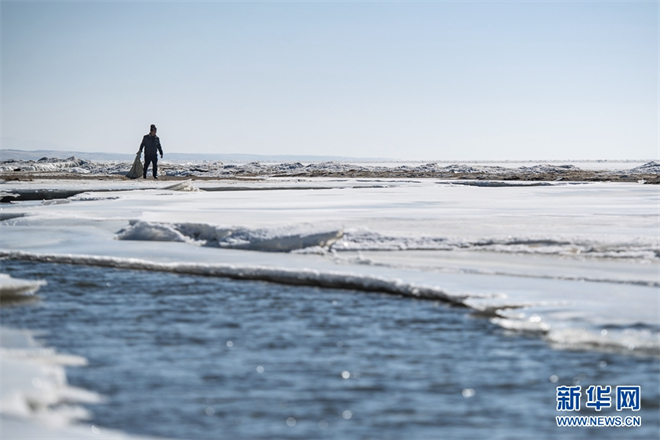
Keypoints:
(153, 159)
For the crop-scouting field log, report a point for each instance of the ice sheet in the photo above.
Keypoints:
(417, 212)
(576, 264)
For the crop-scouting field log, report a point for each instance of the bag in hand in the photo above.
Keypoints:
(137, 169)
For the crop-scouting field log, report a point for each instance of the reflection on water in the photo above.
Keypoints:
(194, 357)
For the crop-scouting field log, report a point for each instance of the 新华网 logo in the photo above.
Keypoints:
(598, 397)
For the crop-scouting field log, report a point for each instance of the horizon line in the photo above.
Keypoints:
(371, 159)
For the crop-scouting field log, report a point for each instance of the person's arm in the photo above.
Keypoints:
(141, 146)
(160, 149)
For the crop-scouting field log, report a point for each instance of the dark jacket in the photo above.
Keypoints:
(151, 145)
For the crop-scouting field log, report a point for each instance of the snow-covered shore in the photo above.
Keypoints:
(73, 166)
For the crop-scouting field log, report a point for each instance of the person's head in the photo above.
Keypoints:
(152, 131)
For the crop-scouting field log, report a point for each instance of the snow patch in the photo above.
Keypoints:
(648, 168)
(147, 231)
(269, 240)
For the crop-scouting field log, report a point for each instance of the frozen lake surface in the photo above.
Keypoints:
(520, 283)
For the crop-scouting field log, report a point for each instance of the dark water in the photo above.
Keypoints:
(157, 349)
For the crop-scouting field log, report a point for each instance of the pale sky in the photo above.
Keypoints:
(404, 80)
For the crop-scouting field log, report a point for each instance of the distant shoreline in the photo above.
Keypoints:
(14, 154)
(81, 169)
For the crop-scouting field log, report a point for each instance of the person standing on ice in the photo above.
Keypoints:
(151, 145)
